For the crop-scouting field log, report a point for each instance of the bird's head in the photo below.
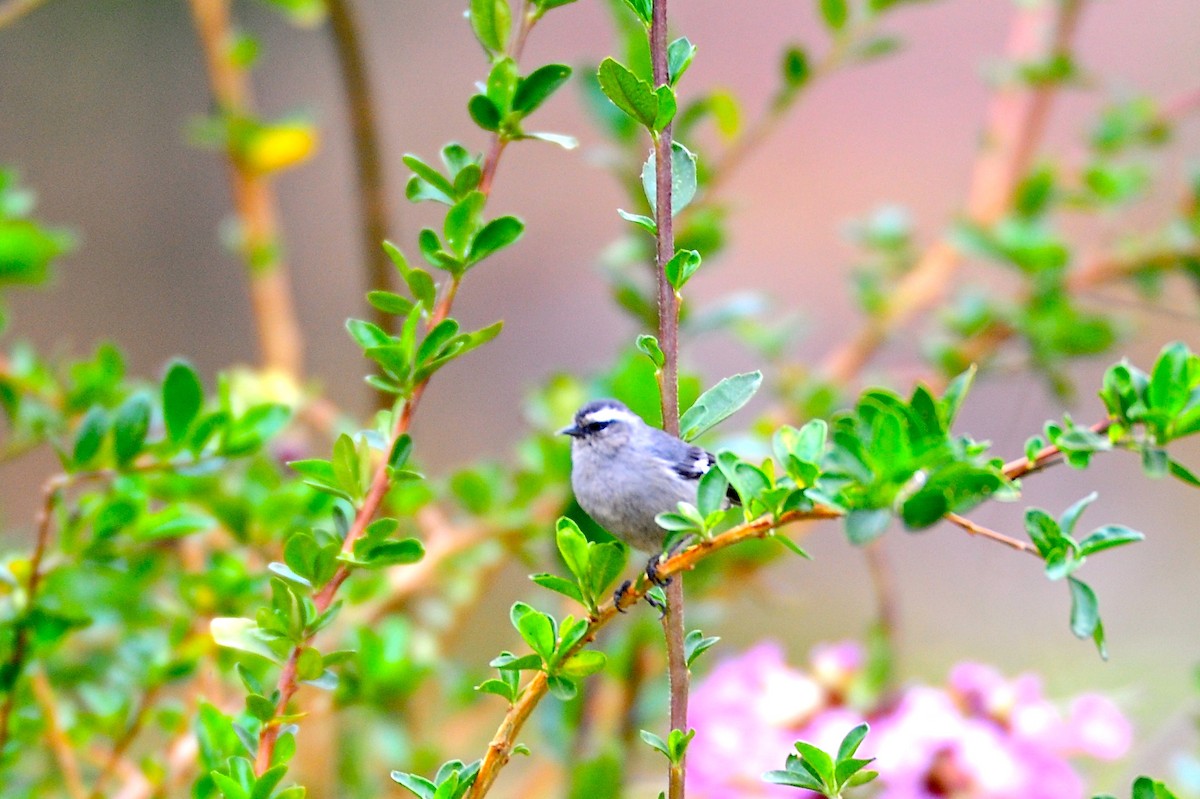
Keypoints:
(602, 425)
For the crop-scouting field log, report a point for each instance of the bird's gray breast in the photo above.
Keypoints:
(624, 499)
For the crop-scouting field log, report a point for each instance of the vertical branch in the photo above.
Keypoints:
(368, 163)
(887, 603)
(279, 339)
(381, 480)
(20, 647)
(668, 302)
(60, 745)
(668, 337)
(1017, 116)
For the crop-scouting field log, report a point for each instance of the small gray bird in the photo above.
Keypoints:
(626, 472)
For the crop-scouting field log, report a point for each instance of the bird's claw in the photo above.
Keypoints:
(652, 571)
(620, 594)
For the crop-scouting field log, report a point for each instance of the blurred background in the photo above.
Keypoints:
(96, 99)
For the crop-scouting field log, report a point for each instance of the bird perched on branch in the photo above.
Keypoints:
(626, 472)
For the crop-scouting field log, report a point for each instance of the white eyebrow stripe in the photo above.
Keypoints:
(610, 415)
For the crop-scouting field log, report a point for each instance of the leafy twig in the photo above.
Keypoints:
(257, 208)
(668, 337)
(125, 741)
(360, 108)
(983, 532)
(1046, 456)
(500, 749)
(381, 482)
(51, 493)
(1016, 121)
(64, 755)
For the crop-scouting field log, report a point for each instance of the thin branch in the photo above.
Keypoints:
(51, 493)
(983, 532)
(64, 755)
(1046, 456)
(668, 338)
(381, 483)
(729, 161)
(368, 163)
(279, 337)
(13, 10)
(1016, 121)
(500, 749)
(122, 744)
(887, 601)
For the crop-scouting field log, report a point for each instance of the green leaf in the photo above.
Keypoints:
(642, 221)
(796, 779)
(795, 68)
(182, 398)
(573, 546)
(1042, 529)
(954, 395)
(711, 492)
(1108, 537)
(90, 436)
(535, 88)
(494, 236)
(560, 585)
(437, 339)
(400, 452)
(491, 20)
(681, 267)
(366, 334)
(835, 13)
(427, 184)
(130, 425)
(655, 742)
(818, 760)
(666, 106)
(628, 92)
(462, 222)
(381, 554)
(852, 741)
(484, 112)
(389, 303)
(562, 688)
(695, 645)
(683, 178)
(241, 634)
(1085, 614)
(1070, 517)
(643, 8)
(502, 84)
(536, 628)
(679, 57)
(606, 561)
(718, 403)
(1181, 472)
(583, 664)
(864, 526)
(648, 345)
(1168, 390)
(417, 785)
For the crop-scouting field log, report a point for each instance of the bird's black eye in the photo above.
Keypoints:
(596, 427)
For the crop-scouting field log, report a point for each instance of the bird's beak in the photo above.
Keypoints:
(573, 431)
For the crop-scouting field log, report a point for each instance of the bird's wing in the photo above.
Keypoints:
(689, 462)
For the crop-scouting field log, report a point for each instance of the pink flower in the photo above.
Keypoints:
(745, 713)
(984, 736)
(1096, 728)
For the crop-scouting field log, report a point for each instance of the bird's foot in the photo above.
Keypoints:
(652, 573)
(620, 594)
